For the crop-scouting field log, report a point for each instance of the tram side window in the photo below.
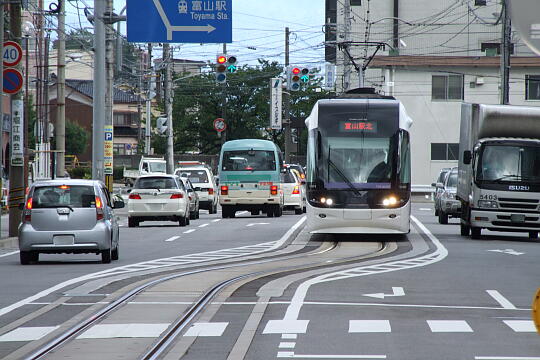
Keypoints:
(405, 173)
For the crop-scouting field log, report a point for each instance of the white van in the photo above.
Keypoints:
(203, 181)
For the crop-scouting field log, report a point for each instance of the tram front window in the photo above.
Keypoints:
(364, 163)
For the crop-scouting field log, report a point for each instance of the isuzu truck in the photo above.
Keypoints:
(499, 169)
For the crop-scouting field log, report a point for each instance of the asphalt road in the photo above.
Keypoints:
(435, 294)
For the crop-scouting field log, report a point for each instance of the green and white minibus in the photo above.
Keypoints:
(250, 177)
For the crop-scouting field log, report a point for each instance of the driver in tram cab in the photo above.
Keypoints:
(380, 173)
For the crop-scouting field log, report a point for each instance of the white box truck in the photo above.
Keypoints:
(147, 166)
(499, 169)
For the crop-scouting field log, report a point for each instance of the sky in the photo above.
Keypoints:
(258, 31)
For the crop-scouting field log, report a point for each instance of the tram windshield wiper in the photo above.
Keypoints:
(347, 181)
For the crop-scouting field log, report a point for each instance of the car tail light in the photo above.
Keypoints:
(134, 197)
(177, 196)
(303, 176)
(99, 208)
(224, 190)
(296, 190)
(273, 190)
(210, 191)
(28, 210)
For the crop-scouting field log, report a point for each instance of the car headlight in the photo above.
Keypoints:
(487, 204)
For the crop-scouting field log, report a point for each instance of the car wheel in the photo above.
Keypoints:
(533, 234)
(270, 212)
(188, 221)
(115, 252)
(106, 256)
(254, 212)
(476, 232)
(443, 218)
(304, 210)
(436, 212)
(465, 229)
(192, 215)
(279, 211)
(298, 211)
(182, 221)
(214, 209)
(26, 257)
(132, 222)
(197, 214)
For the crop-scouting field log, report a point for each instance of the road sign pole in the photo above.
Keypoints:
(98, 117)
(1, 109)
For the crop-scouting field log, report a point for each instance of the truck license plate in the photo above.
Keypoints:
(517, 218)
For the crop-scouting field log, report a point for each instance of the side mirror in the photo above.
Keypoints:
(129, 190)
(433, 184)
(467, 157)
(118, 204)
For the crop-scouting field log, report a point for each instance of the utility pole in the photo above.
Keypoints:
(148, 130)
(287, 105)
(1, 107)
(109, 94)
(168, 107)
(16, 173)
(98, 116)
(60, 128)
(347, 38)
(223, 134)
(505, 54)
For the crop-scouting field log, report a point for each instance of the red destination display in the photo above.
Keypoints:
(357, 126)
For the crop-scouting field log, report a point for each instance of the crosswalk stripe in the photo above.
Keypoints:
(521, 325)
(207, 329)
(369, 326)
(110, 331)
(27, 333)
(449, 326)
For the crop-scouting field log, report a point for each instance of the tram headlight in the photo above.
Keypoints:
(390, 201)
(326, 201)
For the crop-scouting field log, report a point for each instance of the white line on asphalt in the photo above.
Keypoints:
(425, 209)
(172, 238)
(290, 322)
(9, 253)
(290, 354)
(289, 336)
(505, 303)
(111, 331)
(506, 358)
(449, 326)
(216, 220)
(27, 333)
(287, 345)
(203, 225)
(521, 325)
(190, 231)
(207, 329)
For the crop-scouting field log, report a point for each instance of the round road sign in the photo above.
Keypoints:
(536, 310)
(13, 81)
(12, 53)
(220, 125)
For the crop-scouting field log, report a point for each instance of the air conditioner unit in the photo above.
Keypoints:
(479, 80)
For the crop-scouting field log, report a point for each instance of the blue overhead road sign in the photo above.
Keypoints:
(179, 21)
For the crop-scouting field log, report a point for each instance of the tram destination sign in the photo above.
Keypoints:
(357, 126)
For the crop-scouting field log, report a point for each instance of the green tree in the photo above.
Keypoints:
(76, 138)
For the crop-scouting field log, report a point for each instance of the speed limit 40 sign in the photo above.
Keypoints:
(12, 53)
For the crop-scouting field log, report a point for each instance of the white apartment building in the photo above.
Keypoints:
(440, 54)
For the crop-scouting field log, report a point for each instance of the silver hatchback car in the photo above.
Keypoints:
(69, 216)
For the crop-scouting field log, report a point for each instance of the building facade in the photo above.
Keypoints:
(436, 55)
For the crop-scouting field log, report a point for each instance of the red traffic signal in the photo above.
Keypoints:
(222, 59)
(295, 71)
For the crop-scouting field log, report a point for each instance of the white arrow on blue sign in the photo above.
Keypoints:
(179, 21)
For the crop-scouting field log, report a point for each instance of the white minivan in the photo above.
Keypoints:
(204, 183)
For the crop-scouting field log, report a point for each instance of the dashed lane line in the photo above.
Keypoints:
(172, 238)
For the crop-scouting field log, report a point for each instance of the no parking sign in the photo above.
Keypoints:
(12, 81)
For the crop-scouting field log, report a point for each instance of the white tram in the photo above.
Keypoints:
(359, 165)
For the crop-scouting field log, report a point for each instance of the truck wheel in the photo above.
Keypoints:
(278, 211)
(254, 212)
(533, 234)
(476, 232)
(443, 218)
(133, 222)
(270, 212)
(224, 211)
(465, 229)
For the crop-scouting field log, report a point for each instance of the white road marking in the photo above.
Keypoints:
(447, 326)
(216, 220)
(189, 231)
(160, 263)
(172, 238)
(203, 225)
(27, 333)
(242, 212)
(521, 325)
(110, 331)
(425, 209)
(506, 358)
(287, 345)
(505, 303)
(293, 310)
(207, 329)
(289, 336)
(9, 253)
(508, 251)
(290, 354)
(397, 291)
(253, 224)
(369, 326)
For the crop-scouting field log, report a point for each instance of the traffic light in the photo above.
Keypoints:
(161, 125)
(295, 76)
(221, 69)
(231, 64)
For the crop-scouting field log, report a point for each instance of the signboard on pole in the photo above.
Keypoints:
(220, 125)
(17, 133)
(108, 151)
(276, 93)
(12, 81)
(183, 21)
(12, 53)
